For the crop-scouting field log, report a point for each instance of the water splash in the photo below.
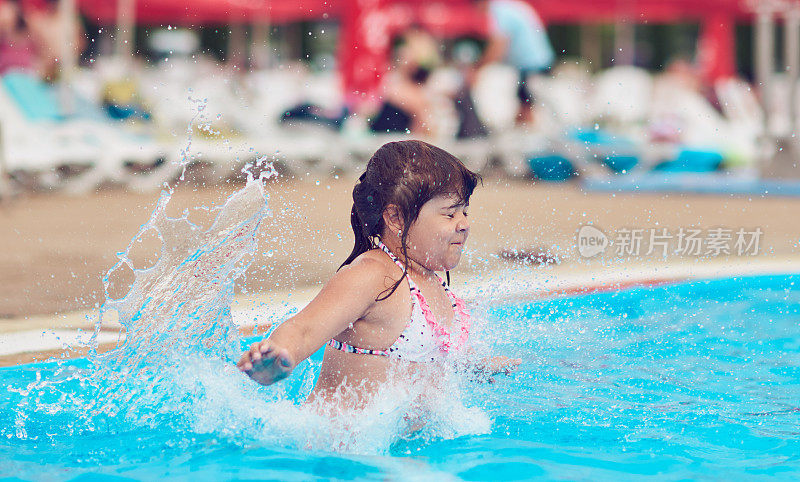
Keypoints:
(173, 371)
(179, 307)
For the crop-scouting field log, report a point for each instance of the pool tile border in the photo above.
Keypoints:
(38, 338)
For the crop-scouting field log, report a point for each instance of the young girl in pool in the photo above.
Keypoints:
(386, 305)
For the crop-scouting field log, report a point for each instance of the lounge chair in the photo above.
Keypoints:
(75, 152)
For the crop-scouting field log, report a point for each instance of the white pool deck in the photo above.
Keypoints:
(39, 337)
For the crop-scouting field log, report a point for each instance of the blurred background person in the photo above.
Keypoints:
(31, 37)
(406, 105)
(470, 125)
(47, 30)
(518, 37)
(18, 51)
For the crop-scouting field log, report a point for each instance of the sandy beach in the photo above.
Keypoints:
(56, 248)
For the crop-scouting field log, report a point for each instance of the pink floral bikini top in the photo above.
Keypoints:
(424, 339)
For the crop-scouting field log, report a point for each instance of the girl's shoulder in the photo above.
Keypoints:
(373, 261)
(372, 267)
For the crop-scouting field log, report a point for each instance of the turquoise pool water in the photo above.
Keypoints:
(697, 380)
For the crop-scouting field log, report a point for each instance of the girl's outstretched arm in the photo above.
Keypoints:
(347, 297)
(486, 368)
(498, 364)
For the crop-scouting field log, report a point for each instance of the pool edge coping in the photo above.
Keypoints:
(501, 285)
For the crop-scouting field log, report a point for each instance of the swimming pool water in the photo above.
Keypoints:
(697, 380)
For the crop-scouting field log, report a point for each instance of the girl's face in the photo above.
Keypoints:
(436, 239)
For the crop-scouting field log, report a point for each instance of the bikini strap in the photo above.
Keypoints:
(346, 347)
(462, 318)
(389, 252)
(398, 263)
(342, 346)
(446, 288)
(411, 283)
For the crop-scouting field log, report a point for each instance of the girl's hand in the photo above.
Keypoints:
(266, 363)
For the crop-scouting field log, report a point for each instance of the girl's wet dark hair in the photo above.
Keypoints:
(407, 174)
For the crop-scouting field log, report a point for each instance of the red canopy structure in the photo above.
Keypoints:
(652, 11)
(209, 12)
(368, 26)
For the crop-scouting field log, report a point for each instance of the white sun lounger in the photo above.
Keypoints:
(75, 154)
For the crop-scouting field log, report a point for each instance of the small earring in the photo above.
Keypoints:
(399, 233)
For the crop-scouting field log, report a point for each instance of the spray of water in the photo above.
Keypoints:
(178, 309)
(174, 370)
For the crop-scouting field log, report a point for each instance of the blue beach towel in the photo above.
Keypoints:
(40, 101)
(37, 100)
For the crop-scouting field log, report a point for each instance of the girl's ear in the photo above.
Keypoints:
(393, 218)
